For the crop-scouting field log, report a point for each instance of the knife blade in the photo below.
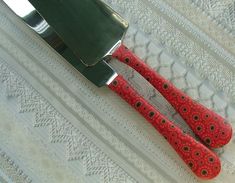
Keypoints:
(87, 33)
(100, 74)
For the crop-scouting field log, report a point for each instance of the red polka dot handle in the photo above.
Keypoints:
(202, 161)
(210, 127)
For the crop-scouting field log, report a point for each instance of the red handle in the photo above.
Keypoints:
(209, 126)
(203, 162)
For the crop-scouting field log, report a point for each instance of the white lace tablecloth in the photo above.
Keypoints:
(55, 126)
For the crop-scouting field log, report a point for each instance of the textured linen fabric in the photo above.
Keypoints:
(56, 126)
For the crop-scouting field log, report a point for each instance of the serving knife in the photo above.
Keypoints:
(87, 33)
(93, 32)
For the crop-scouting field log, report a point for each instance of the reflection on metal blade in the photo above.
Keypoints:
(99, 74)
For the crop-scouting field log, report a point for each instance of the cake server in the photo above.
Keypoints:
(87, 33)
(93, 32)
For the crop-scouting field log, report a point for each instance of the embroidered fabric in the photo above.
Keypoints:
(58, 127)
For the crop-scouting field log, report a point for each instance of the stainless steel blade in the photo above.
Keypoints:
(88, 27)
(100, 74)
